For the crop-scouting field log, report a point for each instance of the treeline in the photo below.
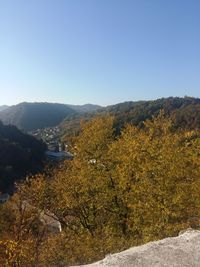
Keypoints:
(117, 192)
(20, 154)
(32, 116)
(183, 111)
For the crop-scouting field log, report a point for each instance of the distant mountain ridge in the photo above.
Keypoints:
(4, 107)
(184, 111)
(85, 108)
(31, 116)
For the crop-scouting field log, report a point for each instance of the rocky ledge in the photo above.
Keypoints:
(180, 251)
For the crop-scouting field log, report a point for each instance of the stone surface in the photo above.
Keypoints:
(180, 251)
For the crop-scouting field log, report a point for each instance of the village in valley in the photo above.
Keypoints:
(56, 149)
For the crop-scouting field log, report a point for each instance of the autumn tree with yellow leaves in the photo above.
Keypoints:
(117, 192)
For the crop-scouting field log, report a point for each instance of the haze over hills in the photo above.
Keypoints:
(31, 116)
(4, 107)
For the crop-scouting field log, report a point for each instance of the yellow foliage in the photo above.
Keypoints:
(115, 193)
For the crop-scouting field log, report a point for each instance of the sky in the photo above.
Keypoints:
(98, 51)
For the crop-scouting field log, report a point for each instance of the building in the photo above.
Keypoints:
(58, 156)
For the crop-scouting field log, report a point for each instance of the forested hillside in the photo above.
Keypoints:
(183, 111)
(32, 116)
(4, 107)
(85, 108)
(20, 154)
(117, 192)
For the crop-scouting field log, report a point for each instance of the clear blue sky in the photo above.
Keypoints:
(98, 51)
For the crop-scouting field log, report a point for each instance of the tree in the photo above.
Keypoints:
(154, 170)
(115, 193)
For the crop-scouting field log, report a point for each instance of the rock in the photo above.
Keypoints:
(180, 251)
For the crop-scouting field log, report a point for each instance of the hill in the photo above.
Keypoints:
(4, 107)
(181, 251)
(32, 116)
(185, 112)
(85, 108)
(114, 194)
(20, 154)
